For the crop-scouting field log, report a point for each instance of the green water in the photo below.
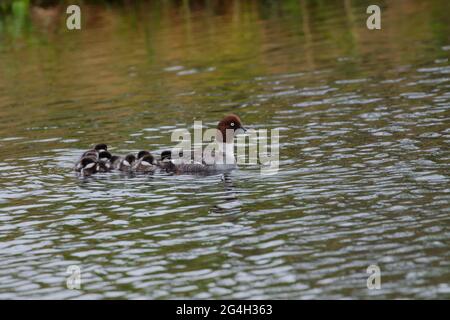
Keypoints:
(364, 150)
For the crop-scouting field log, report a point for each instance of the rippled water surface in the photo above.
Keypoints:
(364, 150)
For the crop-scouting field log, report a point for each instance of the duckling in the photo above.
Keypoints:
(104, 164)
(115, 162)
(164, 162)
(88, 167)
(125, 164)
(97, 149)
(104, 156)
(92, 153)
(142, 153)
(101, 147)
(79, 164)
(145, 164)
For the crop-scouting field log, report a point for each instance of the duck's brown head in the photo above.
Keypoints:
(230, 122)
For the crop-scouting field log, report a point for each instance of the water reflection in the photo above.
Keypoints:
(229, 202)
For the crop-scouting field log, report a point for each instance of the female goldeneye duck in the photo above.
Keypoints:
(145, 164)
(126, 164)
(104, 164)
(88, 167)
(223, 158)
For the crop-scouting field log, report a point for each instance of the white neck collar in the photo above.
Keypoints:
(226, 152)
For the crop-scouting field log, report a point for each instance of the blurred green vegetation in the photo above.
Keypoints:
(314, 30)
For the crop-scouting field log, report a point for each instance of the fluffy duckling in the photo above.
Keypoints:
(104, 164)
(115, 162)
(145, 164)
(92, 154)
(97, 149)
(101, 147)
(88, 166)
(125, 165)
(104, 156)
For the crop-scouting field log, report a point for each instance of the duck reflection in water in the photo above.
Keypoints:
(230, 203)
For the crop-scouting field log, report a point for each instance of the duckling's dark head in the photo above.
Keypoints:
(114, 158)
(148, 158)
(130, 158)
(101, 147)
(142, 154)
(167, 154)
(105, 156)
